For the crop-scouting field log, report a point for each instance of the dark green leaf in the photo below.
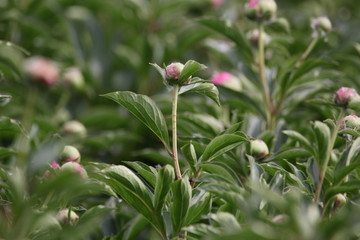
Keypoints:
(200, 205)
(145, 110)
(181, 190)
(147, 172)
(190, 155)
(300, 138)
(290, 154)
(190, 68)
(164, 179)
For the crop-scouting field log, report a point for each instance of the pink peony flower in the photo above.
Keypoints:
(42, 70)
(221, 77)
(344, 95)
(252, 3)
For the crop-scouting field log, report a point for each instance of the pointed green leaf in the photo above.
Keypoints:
(322, 134)
(145, 109)
(4, 99)
(164, 180)
(207, 89)
(200, 205)
(181, 190)
(221, 144)
(190, 68)
(300, 138)
(189, 152)
(290, 154)
(147, 172)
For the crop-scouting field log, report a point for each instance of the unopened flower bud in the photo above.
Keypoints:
(344, 95)
(227, 80)
(173, 72)
(75, 128)
(217, 3)
(258, 148)
(340, 200)
(73, 77)
(260, 10)
(41, 70)
(351, 121)
(70, 154)
(53, 165)
(63, 217)
(321, 24)
(74, 167)
(254, 35)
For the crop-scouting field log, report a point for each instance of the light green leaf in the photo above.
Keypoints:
(200, 205)
(164, 179)
(206, 89)
(189, 152)
(290, 154)
(181, 190)
(300, 138)
(322, 134)
(190, 68)
(222, 144)
(145, 109)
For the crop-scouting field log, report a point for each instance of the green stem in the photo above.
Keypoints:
(328, 155)
(264, 86)
(307, 52)
(174, 131)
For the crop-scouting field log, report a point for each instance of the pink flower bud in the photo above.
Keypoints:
(53, 165)
(260, 10)
(344, 95)
(74, 167)
(173, 71)
(351, 121)
(63, 217)
(70, 154)
(227, 80)
(41, 70)
(258, 148)
(75, 128)
(73, 77)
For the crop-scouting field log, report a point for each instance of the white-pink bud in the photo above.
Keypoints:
(344, 95)
(258, 148)
(63, 217)
(41, 70)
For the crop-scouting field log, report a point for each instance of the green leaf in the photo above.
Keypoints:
(189, 152)
(246, 102)
(190, 68)
(200, 205)
(94, 213)
(290, 154)
(134, 227)
(4, 99)
(164, 179)
(322, 134)
(300, 138)
(226, 221)
(217, 168)
(6, 152)
(206, 89)
(147, 172)
(10, 127)
(222, 144)
(125, 183)
(145, 109)
(230, 31)
(181, 190)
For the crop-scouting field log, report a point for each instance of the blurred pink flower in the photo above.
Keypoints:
(217, 3)
(54, 165)
(221, 77)
(42, 70)
(252, 3)
(344, 95)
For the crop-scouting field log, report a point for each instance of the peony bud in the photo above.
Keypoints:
(351, 121)
(321, 24)
(173, 72)
(63, 217)
(53, 165)
(227, 80)
(344, 95)
(41, 70)
(253, 37)
(340, 200)
(74, 167)
(73, 77)
(258, 148)
(260, 10)
(74, 128)
(70, 154)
